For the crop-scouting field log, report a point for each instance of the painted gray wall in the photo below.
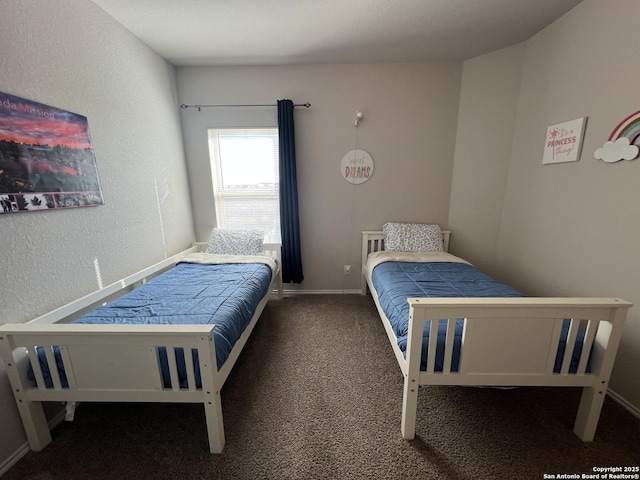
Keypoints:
(410, 114)
(572, 228)
(488, 110)
(74, 56)
(566, 229)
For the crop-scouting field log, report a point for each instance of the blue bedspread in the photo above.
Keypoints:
(396, 281)
(190, 293)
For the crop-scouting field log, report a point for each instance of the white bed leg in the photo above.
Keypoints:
(215, 426)
(409, 409)
(35, 424)
(32, 415)
(589, 413)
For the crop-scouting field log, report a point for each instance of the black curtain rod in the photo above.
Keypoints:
(183, 106)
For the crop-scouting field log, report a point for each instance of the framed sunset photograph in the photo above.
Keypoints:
(46, 158)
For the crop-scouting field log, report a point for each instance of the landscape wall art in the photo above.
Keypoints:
(46, 158)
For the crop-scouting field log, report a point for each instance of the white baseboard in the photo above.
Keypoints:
(322, 292)
(13, 459)
(24, 448)
(625, 404)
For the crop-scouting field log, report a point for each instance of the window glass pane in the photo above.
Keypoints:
(245, 177)
(248, 161)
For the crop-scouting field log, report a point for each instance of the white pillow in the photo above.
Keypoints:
(236, 242)
(412, 237)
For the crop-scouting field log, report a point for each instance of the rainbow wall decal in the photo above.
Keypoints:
(629, 128)
(621, 142)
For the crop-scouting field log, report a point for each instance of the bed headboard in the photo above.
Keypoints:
(373, 241)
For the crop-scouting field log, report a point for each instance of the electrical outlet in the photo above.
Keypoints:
(347, 269)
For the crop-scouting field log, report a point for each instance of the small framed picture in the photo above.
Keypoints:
(563, 142)
(46, 158)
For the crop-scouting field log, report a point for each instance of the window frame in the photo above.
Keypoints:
(226, 194)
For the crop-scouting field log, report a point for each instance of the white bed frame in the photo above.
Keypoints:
(529, 333)
(118, 363)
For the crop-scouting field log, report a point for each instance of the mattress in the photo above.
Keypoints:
(193, 292)
(441, 275)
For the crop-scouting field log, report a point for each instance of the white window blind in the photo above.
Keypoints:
(246, 179)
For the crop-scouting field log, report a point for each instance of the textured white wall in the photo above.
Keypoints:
(72, 55)
(410, 115)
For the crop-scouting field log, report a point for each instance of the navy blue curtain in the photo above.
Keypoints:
(289, 223)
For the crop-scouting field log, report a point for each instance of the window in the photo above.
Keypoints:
(246, 179)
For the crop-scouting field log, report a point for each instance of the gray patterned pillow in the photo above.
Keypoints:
(412, 237)
(236, 242)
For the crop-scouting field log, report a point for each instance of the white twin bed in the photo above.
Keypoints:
(449, 324)
(490, 337)
(134, 337)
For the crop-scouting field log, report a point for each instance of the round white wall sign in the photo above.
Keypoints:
(357, 166)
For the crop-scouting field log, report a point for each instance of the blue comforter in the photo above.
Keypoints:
(396, 281)
(190, 293)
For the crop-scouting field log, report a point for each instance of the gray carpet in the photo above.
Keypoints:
(316, 394)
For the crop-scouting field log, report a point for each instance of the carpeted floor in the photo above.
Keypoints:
(317, 395)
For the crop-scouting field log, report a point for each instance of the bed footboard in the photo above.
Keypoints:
(515, 342)
(118, 363)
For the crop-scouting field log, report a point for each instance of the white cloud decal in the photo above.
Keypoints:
(621, 149)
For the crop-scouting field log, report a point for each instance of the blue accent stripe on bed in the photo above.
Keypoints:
(395, 282)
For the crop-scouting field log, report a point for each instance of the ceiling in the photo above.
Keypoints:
(279, 32)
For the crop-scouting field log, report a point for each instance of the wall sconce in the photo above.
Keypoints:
(359, 116)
